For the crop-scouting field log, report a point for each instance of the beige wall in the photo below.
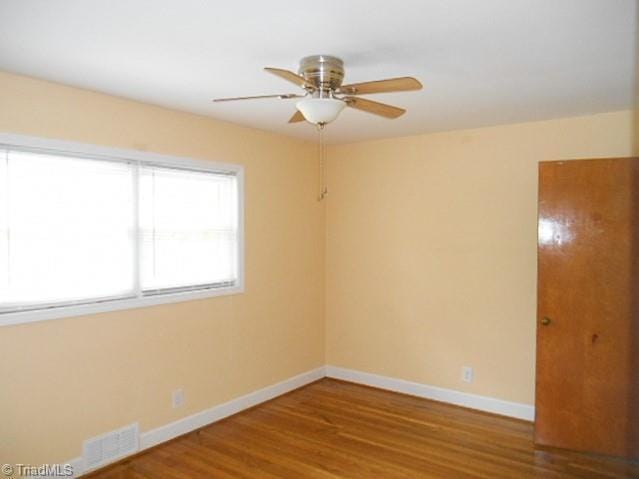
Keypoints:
(67, 380)
(431, 250)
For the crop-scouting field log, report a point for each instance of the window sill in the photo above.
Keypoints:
(7, 319)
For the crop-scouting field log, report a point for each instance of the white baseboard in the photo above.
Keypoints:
(187, 424)
(182, 426)
(472, 401)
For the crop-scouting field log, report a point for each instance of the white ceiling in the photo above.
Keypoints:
(481, 62)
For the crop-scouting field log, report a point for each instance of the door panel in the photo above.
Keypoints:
(588, 260)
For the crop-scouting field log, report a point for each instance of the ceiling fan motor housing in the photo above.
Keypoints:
(324, 72)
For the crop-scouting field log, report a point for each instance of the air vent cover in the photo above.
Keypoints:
(106, 448)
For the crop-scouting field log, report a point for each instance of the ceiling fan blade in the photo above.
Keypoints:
(297, 116)
(381, 86)
(288, 75)
(374, 107)
(285, 96)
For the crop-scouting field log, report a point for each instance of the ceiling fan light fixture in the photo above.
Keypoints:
(320, 111)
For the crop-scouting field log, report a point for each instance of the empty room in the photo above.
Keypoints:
(342, 239)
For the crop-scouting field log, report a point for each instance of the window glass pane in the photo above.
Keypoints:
(188, 223)
(66, 229)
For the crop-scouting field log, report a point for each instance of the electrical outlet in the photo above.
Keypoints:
(467, 374)
(178, 398)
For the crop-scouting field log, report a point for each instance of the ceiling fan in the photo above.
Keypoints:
(324, 97)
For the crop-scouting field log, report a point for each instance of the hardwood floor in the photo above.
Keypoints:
(334, 429)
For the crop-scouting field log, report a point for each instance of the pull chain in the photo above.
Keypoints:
(323, 190)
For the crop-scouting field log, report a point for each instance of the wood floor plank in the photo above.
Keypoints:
(333, 429)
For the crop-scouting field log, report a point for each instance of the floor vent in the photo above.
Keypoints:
(101, 450)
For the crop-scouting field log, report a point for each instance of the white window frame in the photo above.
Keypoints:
(50, 146)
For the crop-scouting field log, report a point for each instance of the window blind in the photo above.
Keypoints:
(188, 224)
(81, 230)
(66, 230)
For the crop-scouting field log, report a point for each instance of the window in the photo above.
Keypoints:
(188, 224)
(85, 229)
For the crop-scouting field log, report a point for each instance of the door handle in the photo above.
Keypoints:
(545, 321)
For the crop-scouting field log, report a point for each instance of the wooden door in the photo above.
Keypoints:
(587, 391)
